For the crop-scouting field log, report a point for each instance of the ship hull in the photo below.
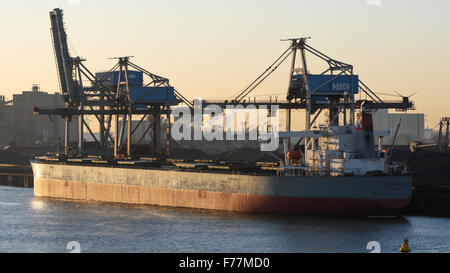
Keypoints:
(221, 191)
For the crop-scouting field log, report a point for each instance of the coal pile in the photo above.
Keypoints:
(248, 155)
(21, 155)
(269, 157)
(189, 153)
(11, 157)
(29, 151)
(430, 166)
(401, 153)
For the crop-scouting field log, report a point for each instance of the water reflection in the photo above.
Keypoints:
(37, 204)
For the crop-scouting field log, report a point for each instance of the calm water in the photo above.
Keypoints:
(30, 224)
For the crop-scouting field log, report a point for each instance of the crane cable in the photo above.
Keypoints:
(252, 86)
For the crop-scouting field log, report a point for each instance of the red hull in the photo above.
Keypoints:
(324, 206)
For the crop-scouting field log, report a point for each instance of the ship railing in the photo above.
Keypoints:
(294, 170)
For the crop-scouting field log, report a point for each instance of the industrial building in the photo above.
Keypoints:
(19, 125)
(412, 126)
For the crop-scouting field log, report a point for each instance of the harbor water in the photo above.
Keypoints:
(32, 224)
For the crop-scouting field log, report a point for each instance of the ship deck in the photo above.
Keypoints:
(182, 165)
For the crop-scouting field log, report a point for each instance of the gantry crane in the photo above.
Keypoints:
(333, 89)
(102, 99)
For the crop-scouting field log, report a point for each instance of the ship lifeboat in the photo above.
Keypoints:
(294, 156)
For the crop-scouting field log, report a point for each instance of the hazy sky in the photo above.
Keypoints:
(213, 48)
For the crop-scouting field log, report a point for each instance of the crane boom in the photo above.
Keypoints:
(63, 60)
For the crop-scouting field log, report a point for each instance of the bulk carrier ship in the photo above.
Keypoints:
(335, 169)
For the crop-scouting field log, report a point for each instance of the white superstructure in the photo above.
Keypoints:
(342, 150)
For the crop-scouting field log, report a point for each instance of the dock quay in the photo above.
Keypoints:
(16, 175)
